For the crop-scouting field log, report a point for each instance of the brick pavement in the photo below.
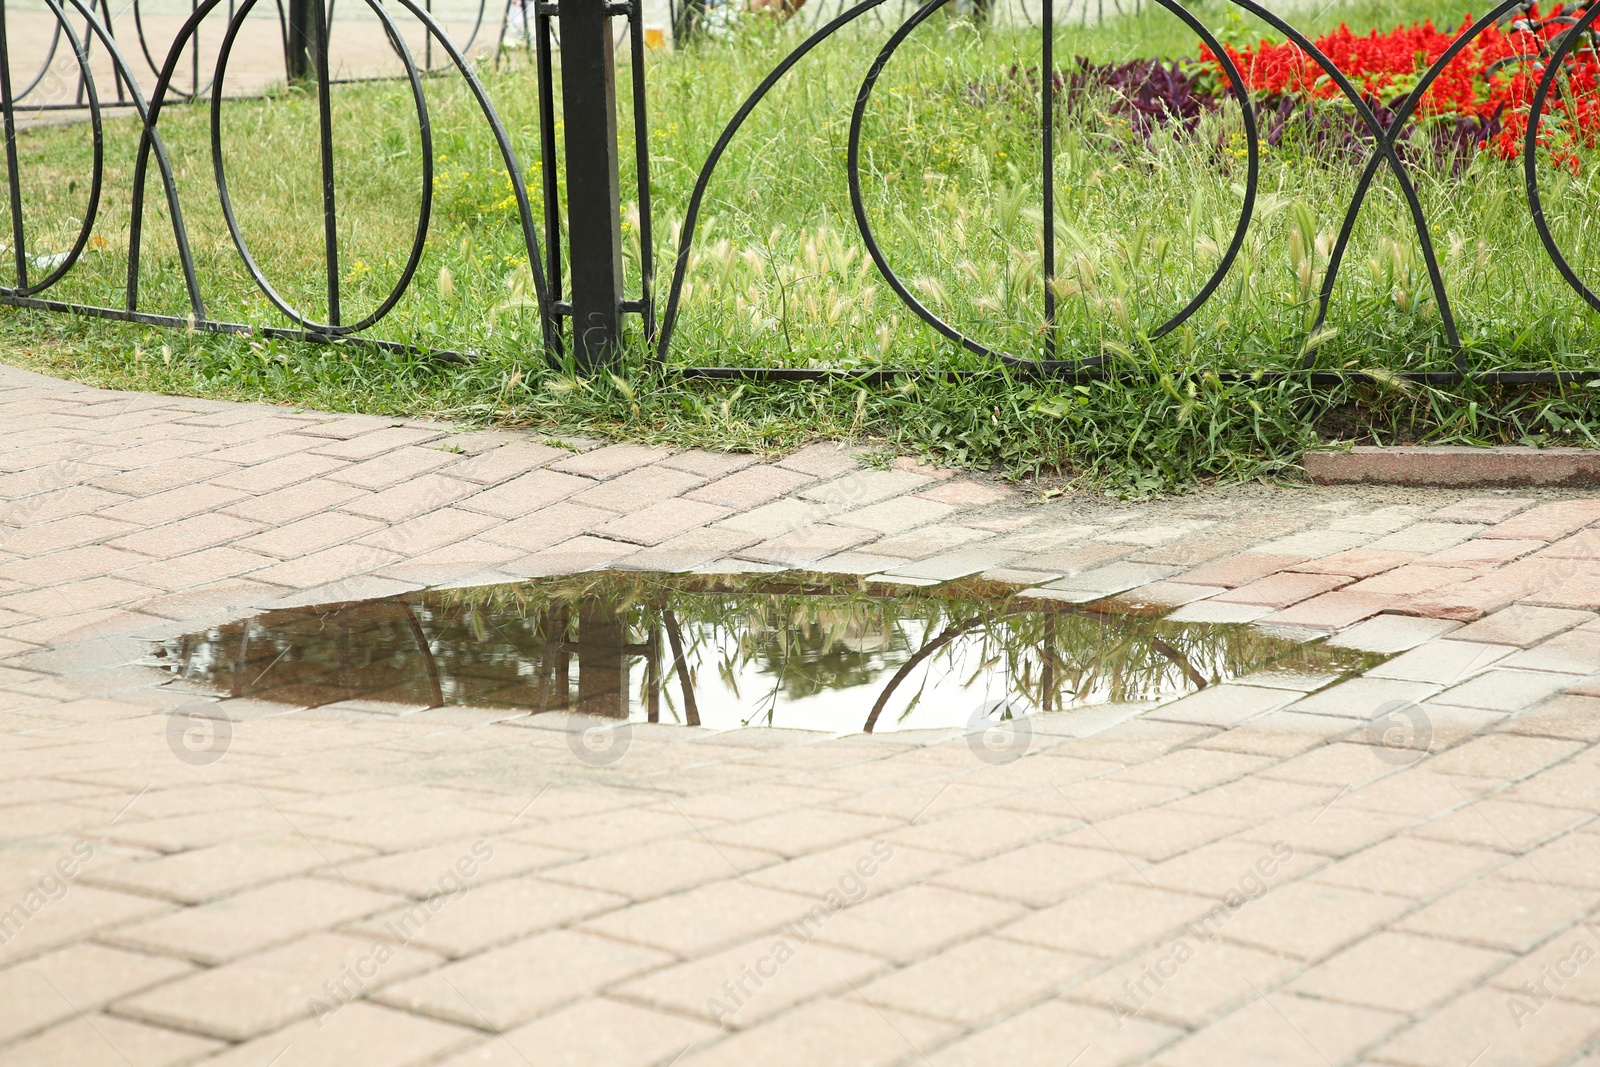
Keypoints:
(1255, 874)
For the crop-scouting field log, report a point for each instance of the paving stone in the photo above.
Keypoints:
(1212, 611)
(355, 1033)
(1184, 981)
(1399, 972)
(796, 833)
(1443, 662)
(966, 493)
(504, 462)
(1111, 919)
(1411, 867)
(547, 526)
(203, 874)
(934, 540)
(1037, 875)
(948, 566)
(99, 1038)
(402, 465)
(60, 986)
(1503, 914)
(1311, 544)
(661, 521)
(1503, 756)
(1506, 690)
(748, 983)
(526, 494)
(251, 921)
(778, 517)
(605, 1031)
(1548, 522)
(910, 922)
(1046, 1034)
(636, 488)
(705, 918)
(1425, 537)
(37, 919)
(976, 981)
(298, 502)
(507, 986)
(663, 867)
(806, 544)
(1523, 625)
(418, 496)
(1483, 509)
(1283, 1030)
(1568, 716)
(1575, 652)
(1330, 611)
(1478, 1024)
(1504, 824)
(820, 460)
(187, 535)
(828, 1031)
(1357, 563)
(1113, 578)
(895, 516)
(858, 869)
(1414, 579)
(1363, 698)
(610, 461)
(373, 442)
(1223, 705)
(1311, 920)
(749, 488)
(1482, 552)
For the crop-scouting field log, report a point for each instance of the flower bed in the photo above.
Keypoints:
(1481, 101)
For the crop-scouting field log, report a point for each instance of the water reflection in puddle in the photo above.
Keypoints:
(796, 650)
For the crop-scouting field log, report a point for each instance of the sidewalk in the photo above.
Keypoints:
(1251, 875)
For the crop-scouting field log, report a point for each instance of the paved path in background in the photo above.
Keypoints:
(1238, 877)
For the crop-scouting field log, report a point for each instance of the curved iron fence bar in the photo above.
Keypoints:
(669, 317)
(224, 198)
(144, 46)
(150, 138)
(1241, 93)
(81, 52)
(1384, 148)
(1370, 169)
(1530, 149)
(507, 154)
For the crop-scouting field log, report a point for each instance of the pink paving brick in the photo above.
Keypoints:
(751, 487)
(637, 488)
(1331, 611)
(1485, 509)
(1238, 570)
(1281, 590)
(1585, 544)
(1482, 552)
(1413, 579)
(610, 461)
(548, 526)
(658, 522)
(1357, 563)
(525, 494)
(1548, 522)
(967, 493)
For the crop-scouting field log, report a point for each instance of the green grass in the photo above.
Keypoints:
(780, 277)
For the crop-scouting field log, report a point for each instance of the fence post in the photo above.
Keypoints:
(302, 31)
(594, 203)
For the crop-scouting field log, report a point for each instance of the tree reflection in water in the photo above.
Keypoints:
(792, 649)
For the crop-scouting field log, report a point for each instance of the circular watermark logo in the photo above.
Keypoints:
(1400, 733)
(996, 734)
(196, 738)
(599, 744)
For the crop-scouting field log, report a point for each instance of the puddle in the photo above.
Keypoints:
(795, 650)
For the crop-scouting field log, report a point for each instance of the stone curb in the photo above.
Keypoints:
(1454, 465)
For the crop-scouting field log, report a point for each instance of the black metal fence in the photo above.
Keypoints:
(580, 293)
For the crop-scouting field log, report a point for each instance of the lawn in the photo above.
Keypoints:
(780, 277)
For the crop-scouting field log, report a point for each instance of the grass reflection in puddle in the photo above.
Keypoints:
(804, 651)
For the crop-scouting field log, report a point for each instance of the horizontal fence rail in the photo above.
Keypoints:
(576, 270)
